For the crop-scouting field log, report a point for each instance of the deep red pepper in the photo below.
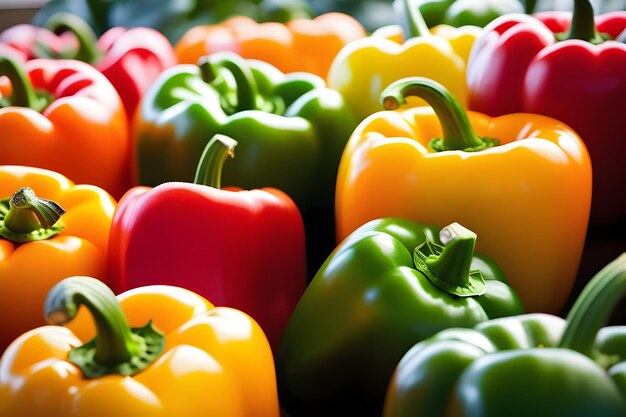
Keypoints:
(130, 58)
(241, 249)
(519, 65)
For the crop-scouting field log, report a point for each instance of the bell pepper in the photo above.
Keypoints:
(307, 45)
(365, 67)
(539, 79)
(65, 116)
(390, 284)
(291, 133)
(155, 351)
(466, 12)
(213, 242)
(37, 249)
(600, 6)
(510, 179)
(531, 365)
(130, 59)
(372, 14)
(172, 18)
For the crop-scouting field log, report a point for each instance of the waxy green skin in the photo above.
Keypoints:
(466, 12)
(297, 150)
(364, 309)
(530, 365)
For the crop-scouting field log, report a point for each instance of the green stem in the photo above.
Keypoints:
(412, 21)
(457, 130)
(529, 6)
(87, 50)
(583, 25)
(246, 87)
(209, 170)
(23, 94)
(116, 349)
(25, 217)
(448, 267)
(594, 306)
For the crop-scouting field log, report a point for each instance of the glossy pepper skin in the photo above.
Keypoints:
(242, 249)
(130, 58)
(172, 18)
(365, 67)
(369, 303)
(502, 80)
(459, 13)
(63, 115)
(307, 45)
(28, 269)
(183, 356)
(290, 128)
(512, 191)
(534, 364)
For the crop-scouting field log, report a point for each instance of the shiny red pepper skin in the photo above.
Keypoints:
(517, 66)
(241, 249)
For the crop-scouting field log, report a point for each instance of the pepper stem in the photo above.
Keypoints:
(457, 130)
(87, 50)
(25, 217)
(594, 306)
(583, 25)
(448, 267)
(23, 94)
(209, 170)
(247, 97)
(116, 349)
(411, 19)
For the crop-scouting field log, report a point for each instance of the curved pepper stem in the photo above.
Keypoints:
(594, 306)
(25, 217)
(209, 170)
(457, 130)
(583, 25)
(87, 50)
(448, 267)
(247, 91)
(23, 94)
(116, 349)
(411, 19)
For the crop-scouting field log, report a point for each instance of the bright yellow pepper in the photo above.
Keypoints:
(183, 357)
(363, 68)
(526, 194)
(29, 267)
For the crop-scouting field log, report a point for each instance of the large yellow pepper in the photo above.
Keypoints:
(363, 68)
(183, 357)
(34, 256)
(527, 194)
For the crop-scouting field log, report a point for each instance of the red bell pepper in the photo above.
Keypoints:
(563, 66)
(241, 249)
(130, 58)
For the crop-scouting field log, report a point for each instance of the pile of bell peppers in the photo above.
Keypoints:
(266, 208)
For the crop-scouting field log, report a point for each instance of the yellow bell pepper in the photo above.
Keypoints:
(527, 194)
(34, 256)
(182, 357)
(363, 68)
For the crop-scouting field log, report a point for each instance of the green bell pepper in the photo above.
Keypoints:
(389, 285)
(172, 18)
(465, 12)
(290, 128)
(531, 365)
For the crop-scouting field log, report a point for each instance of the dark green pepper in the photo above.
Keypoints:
(389, 285)
(532, 365)
(290, 128)
(172, 18)
(466, 12)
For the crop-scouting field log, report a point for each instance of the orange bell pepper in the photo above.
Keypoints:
(65, 116)
(308, 45)
(28, 267)
(157, 351)
(527, 194)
